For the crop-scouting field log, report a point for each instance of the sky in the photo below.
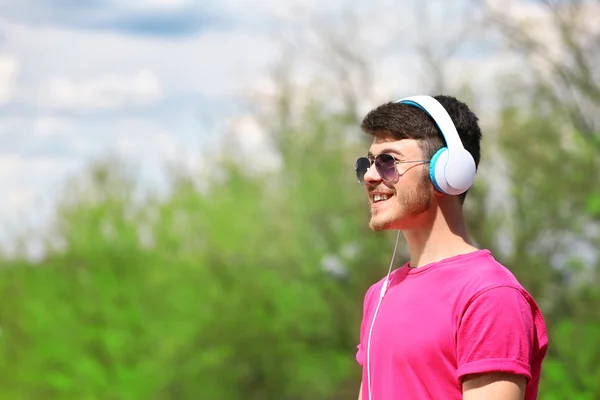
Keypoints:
(159, 80)
(151, 80)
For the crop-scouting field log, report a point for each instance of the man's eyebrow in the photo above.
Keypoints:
(388, 150)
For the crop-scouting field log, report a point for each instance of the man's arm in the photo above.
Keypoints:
(494, 386)
(360, 392)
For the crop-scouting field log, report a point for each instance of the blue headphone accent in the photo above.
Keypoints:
(432, 165)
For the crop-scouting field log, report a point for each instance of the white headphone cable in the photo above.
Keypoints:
(384, 288)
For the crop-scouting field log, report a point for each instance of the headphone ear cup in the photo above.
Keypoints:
(437, 168)
(461, 170)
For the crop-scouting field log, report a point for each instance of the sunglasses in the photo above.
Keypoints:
(385, 164)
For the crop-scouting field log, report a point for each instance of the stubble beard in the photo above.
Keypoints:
(409, 205)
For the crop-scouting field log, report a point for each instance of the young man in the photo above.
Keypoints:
(452, 323)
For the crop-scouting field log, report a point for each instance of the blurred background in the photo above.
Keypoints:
(180, 217)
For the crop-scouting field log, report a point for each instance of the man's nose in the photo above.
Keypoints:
(372, 176)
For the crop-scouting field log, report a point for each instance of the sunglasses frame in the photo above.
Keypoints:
(379, 165)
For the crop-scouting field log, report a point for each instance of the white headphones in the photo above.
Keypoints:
(452, 168)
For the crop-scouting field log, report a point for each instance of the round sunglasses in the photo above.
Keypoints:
(385, 164)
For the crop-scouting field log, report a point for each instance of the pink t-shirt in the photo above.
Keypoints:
(462, 315)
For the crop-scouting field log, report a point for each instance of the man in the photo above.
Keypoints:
(452, 323)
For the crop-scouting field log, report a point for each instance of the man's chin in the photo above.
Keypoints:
(378, 225)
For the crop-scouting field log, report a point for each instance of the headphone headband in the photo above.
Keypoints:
(439, 114)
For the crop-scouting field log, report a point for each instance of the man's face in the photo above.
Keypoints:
(398, 204)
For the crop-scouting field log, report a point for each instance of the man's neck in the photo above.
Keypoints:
(441, 235)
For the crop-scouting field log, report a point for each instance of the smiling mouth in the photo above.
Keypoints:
(378, 197)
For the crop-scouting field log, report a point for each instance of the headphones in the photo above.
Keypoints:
(452, 168)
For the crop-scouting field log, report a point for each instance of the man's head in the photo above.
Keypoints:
(412, 137)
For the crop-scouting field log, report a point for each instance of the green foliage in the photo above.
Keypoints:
(573, 368)
(217, 293)
(553, 240)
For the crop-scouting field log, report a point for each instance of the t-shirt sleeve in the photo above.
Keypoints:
(496, 333)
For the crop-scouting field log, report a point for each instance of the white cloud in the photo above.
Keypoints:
(244, 9)
(29, 189)
(20, 199)
(28, 178)
(8, 125)
(229, 62)
(9, 166)
(248, 136)
(110, 70)
(153, 4)
(52, 126)
(144, 139)
(103, 92)
(19, 168)
(46, 134)
(9, 69)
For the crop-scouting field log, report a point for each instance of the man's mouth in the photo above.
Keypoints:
(379, 197)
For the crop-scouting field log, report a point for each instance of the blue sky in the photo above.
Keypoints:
(173, 18)
(157, 80)
(153, 81)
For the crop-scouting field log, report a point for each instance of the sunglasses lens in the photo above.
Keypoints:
(386, 167)
(361, 167)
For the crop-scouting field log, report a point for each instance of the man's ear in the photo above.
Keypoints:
(437, 192)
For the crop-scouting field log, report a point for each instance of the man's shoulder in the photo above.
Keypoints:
(479, 273)
(485, 271)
